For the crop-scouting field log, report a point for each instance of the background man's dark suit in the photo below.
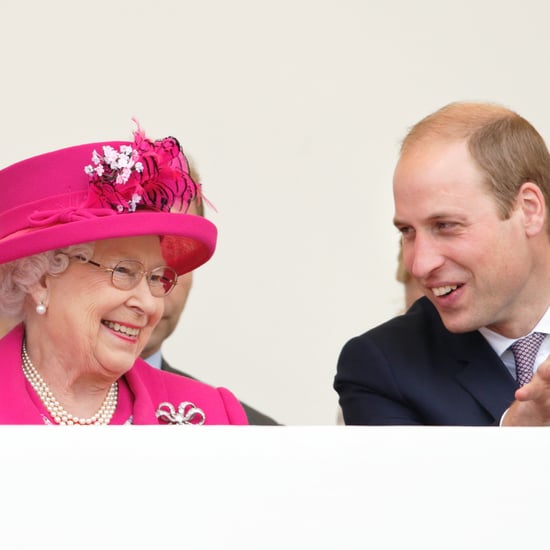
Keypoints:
(254, 417)
(412, 370)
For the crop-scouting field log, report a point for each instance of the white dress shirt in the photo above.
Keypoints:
(501, 344)
(155, 360)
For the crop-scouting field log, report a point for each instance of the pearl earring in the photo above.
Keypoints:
(40, 308)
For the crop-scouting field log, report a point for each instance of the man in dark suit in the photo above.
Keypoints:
(173, 307)
(471, 193)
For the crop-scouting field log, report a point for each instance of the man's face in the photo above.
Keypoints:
(173, 307)
(472, 264)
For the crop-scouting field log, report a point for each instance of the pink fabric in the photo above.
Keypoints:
(43, 206)
(148, 387)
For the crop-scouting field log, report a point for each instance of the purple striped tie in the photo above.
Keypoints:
(525, 351)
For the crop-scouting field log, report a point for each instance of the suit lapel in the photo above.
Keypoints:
(482, 373)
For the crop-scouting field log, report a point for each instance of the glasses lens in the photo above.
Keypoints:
(126, 274)
(162, 280)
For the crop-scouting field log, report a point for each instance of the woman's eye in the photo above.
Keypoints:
(124, 271)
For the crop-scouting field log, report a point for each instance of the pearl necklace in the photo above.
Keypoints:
(59, 414)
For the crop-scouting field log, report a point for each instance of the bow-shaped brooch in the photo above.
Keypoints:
(187, 413)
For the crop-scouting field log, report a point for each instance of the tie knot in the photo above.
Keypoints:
(528, 343)
(525, 352)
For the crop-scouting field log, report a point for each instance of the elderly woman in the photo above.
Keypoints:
(92, 238)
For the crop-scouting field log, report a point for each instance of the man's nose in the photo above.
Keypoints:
(426, 256)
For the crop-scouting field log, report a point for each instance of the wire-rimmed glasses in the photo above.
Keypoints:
(127, 274)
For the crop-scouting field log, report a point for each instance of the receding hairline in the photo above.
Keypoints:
(455, 121)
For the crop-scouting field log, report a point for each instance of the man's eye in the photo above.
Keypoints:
(406, 232)
(446, 225)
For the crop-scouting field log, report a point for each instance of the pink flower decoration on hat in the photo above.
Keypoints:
(152, 175)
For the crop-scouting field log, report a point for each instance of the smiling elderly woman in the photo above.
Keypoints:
(92, 238)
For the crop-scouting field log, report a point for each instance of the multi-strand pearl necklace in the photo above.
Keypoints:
(58, 413)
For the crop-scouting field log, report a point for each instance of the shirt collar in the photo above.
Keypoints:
(501, 343)
(155, 360)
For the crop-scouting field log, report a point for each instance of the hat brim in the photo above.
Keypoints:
(187, 241)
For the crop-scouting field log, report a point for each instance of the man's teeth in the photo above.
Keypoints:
(442, 290)
(129, 331)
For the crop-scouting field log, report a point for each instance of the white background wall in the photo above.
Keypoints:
(250, 488)
(292, 111)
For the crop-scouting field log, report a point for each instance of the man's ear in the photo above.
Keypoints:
(533, 206)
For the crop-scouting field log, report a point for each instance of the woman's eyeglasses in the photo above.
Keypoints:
(127, 274)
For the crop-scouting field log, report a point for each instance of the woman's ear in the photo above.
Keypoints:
(38, 293)
(533, 206)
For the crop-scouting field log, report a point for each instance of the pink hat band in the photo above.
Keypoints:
(59, 199)
(44, 212)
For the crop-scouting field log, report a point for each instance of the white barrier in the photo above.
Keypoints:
(273, 488)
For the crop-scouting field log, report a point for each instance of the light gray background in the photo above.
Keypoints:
(293, 111)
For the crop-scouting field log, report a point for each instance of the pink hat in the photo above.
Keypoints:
(103, 191)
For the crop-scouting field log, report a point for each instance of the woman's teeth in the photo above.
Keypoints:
(128, 331)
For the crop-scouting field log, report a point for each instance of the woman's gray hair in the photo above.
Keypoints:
(19, 276)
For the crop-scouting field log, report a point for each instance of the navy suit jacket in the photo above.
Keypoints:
(412, 370)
